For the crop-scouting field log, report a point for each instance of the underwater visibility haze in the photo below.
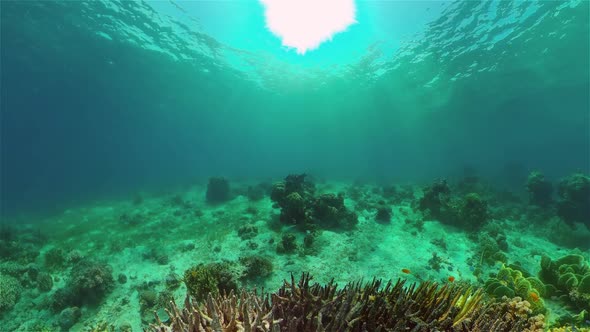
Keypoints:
(160, 155)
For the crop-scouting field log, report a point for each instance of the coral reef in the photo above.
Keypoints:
(218, 190)
(501, 227)
(374, 306)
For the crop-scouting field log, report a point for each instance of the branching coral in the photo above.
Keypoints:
(226, 313)
(378, 305)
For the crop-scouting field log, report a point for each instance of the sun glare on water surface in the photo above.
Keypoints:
(305, 24)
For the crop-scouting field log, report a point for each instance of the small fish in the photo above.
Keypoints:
(451, 278)
(534, 296)
(406, 271)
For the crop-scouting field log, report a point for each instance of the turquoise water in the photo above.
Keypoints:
(116, 114)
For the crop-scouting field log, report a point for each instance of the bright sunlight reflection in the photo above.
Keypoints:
(305, 24)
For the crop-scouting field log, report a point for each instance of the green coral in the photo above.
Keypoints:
(511, 282)
(10, 290)
(214, 278)
(567, 278)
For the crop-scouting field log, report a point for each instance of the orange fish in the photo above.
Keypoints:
(406, 271)
(534, 296)
(451, 279)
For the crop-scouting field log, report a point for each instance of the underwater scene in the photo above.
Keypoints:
(294, 165)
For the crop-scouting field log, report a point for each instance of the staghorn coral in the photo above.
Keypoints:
(375, 306)
(219, 313)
